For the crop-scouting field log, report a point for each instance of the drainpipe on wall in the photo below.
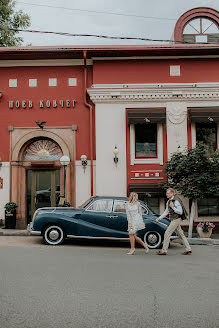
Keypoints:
(91, 118)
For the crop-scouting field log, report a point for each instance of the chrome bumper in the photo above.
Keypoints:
(31, 231)
(174, 237)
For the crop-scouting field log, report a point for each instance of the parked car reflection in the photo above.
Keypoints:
(43, 195)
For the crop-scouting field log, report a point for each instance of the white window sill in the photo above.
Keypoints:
(147, 161)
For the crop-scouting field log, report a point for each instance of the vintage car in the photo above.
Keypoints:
(99, 217)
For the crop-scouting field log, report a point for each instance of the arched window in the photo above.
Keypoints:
(42, 150)
(201, 30)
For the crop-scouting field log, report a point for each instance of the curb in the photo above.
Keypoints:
(12, 232)
(200, 241)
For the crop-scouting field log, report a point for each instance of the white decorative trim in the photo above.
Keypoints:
(5, 164)
(150, 178)
(32, 83)
(175, 114)
(193, 135)
(159, 159)
(44, 62)
(12, 83)
(52, 82)
(126, 94)
(72, 82)
(175, 70)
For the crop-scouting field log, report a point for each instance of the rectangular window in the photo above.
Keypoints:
(207, 133)
(146, 140)
(208, 207)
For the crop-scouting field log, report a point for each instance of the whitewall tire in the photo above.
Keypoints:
(153, 239)
(53, 235)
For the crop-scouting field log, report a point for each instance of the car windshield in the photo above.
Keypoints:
(86, 203)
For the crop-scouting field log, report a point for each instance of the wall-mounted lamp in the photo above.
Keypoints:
(84, 162)
(115, 152)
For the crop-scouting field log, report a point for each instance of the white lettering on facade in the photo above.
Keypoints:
(41, 103)
(48, 103)
(54, 104)
(23, 104)
(11, 104)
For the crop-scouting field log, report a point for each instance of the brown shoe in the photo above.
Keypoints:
(187, 252)
(161, 253)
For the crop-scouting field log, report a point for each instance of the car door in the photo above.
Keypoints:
(93, 220)
(119, 221)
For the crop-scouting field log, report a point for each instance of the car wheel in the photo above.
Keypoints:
(153, 239)
(53, 235)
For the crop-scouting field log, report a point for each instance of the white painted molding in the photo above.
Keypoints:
(193, 135)
(123, 95)
(52, 82)
(12, 83)
(175, 70)
(32, 83)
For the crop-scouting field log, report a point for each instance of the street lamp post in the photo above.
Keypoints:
(64, 160)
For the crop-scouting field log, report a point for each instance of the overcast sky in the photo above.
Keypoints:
(79, 17)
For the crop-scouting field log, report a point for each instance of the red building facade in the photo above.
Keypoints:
(145, 100)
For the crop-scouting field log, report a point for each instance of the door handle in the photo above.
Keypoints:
(112, 216)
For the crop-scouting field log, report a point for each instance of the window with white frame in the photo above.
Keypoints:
(207, 133)
(146, 143)
(146, 140)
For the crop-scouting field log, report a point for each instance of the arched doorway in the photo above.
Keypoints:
(35, 168)
(43, 177)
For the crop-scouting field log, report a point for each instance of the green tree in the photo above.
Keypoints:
(195, 174)
(10, 21)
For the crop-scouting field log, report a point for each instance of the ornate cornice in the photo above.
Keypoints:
(109, 95)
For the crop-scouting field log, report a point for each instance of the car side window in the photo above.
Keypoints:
(101, 205)
(119, 206)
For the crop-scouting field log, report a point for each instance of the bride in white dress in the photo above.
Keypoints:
(135, 222)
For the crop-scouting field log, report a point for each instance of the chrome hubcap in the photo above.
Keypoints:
(53, 235)
(152, 239)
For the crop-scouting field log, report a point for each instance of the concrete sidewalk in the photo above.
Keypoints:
(193, 241)
(14, 232)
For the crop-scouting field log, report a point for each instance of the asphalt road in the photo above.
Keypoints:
(95, 284)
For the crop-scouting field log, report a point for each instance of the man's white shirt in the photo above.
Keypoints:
(177, 209)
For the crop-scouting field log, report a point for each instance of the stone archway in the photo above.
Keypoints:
(21, 139)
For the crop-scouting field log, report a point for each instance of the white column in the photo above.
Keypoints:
(110, 132)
